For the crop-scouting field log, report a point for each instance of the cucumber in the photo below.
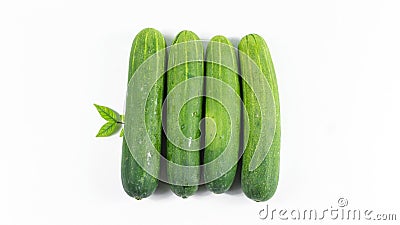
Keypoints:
(259, 184)
(136, 181)
(186, 47)
(221, 63)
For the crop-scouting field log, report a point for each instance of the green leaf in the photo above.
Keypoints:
(107, 113)
(122, 118)
(108, 129)
(121, 134)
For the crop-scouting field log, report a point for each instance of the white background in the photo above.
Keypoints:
(338, 71)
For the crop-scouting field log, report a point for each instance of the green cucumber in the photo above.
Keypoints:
(221, 64)
(186, 47)
(136, 181)
(261, 183)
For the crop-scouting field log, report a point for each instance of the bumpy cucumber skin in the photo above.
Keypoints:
(261, 183)
(136, 181)
(191, 112)
(221, 63)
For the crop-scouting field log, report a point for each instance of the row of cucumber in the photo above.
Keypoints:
(193, 73)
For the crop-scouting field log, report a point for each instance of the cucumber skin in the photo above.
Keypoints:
(224, 54)
(136, 181)
(261, 183)
(174, 77)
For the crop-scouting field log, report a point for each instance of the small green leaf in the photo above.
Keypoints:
(122, 118)
(121, 134)
(108, 129)
(107, 113)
